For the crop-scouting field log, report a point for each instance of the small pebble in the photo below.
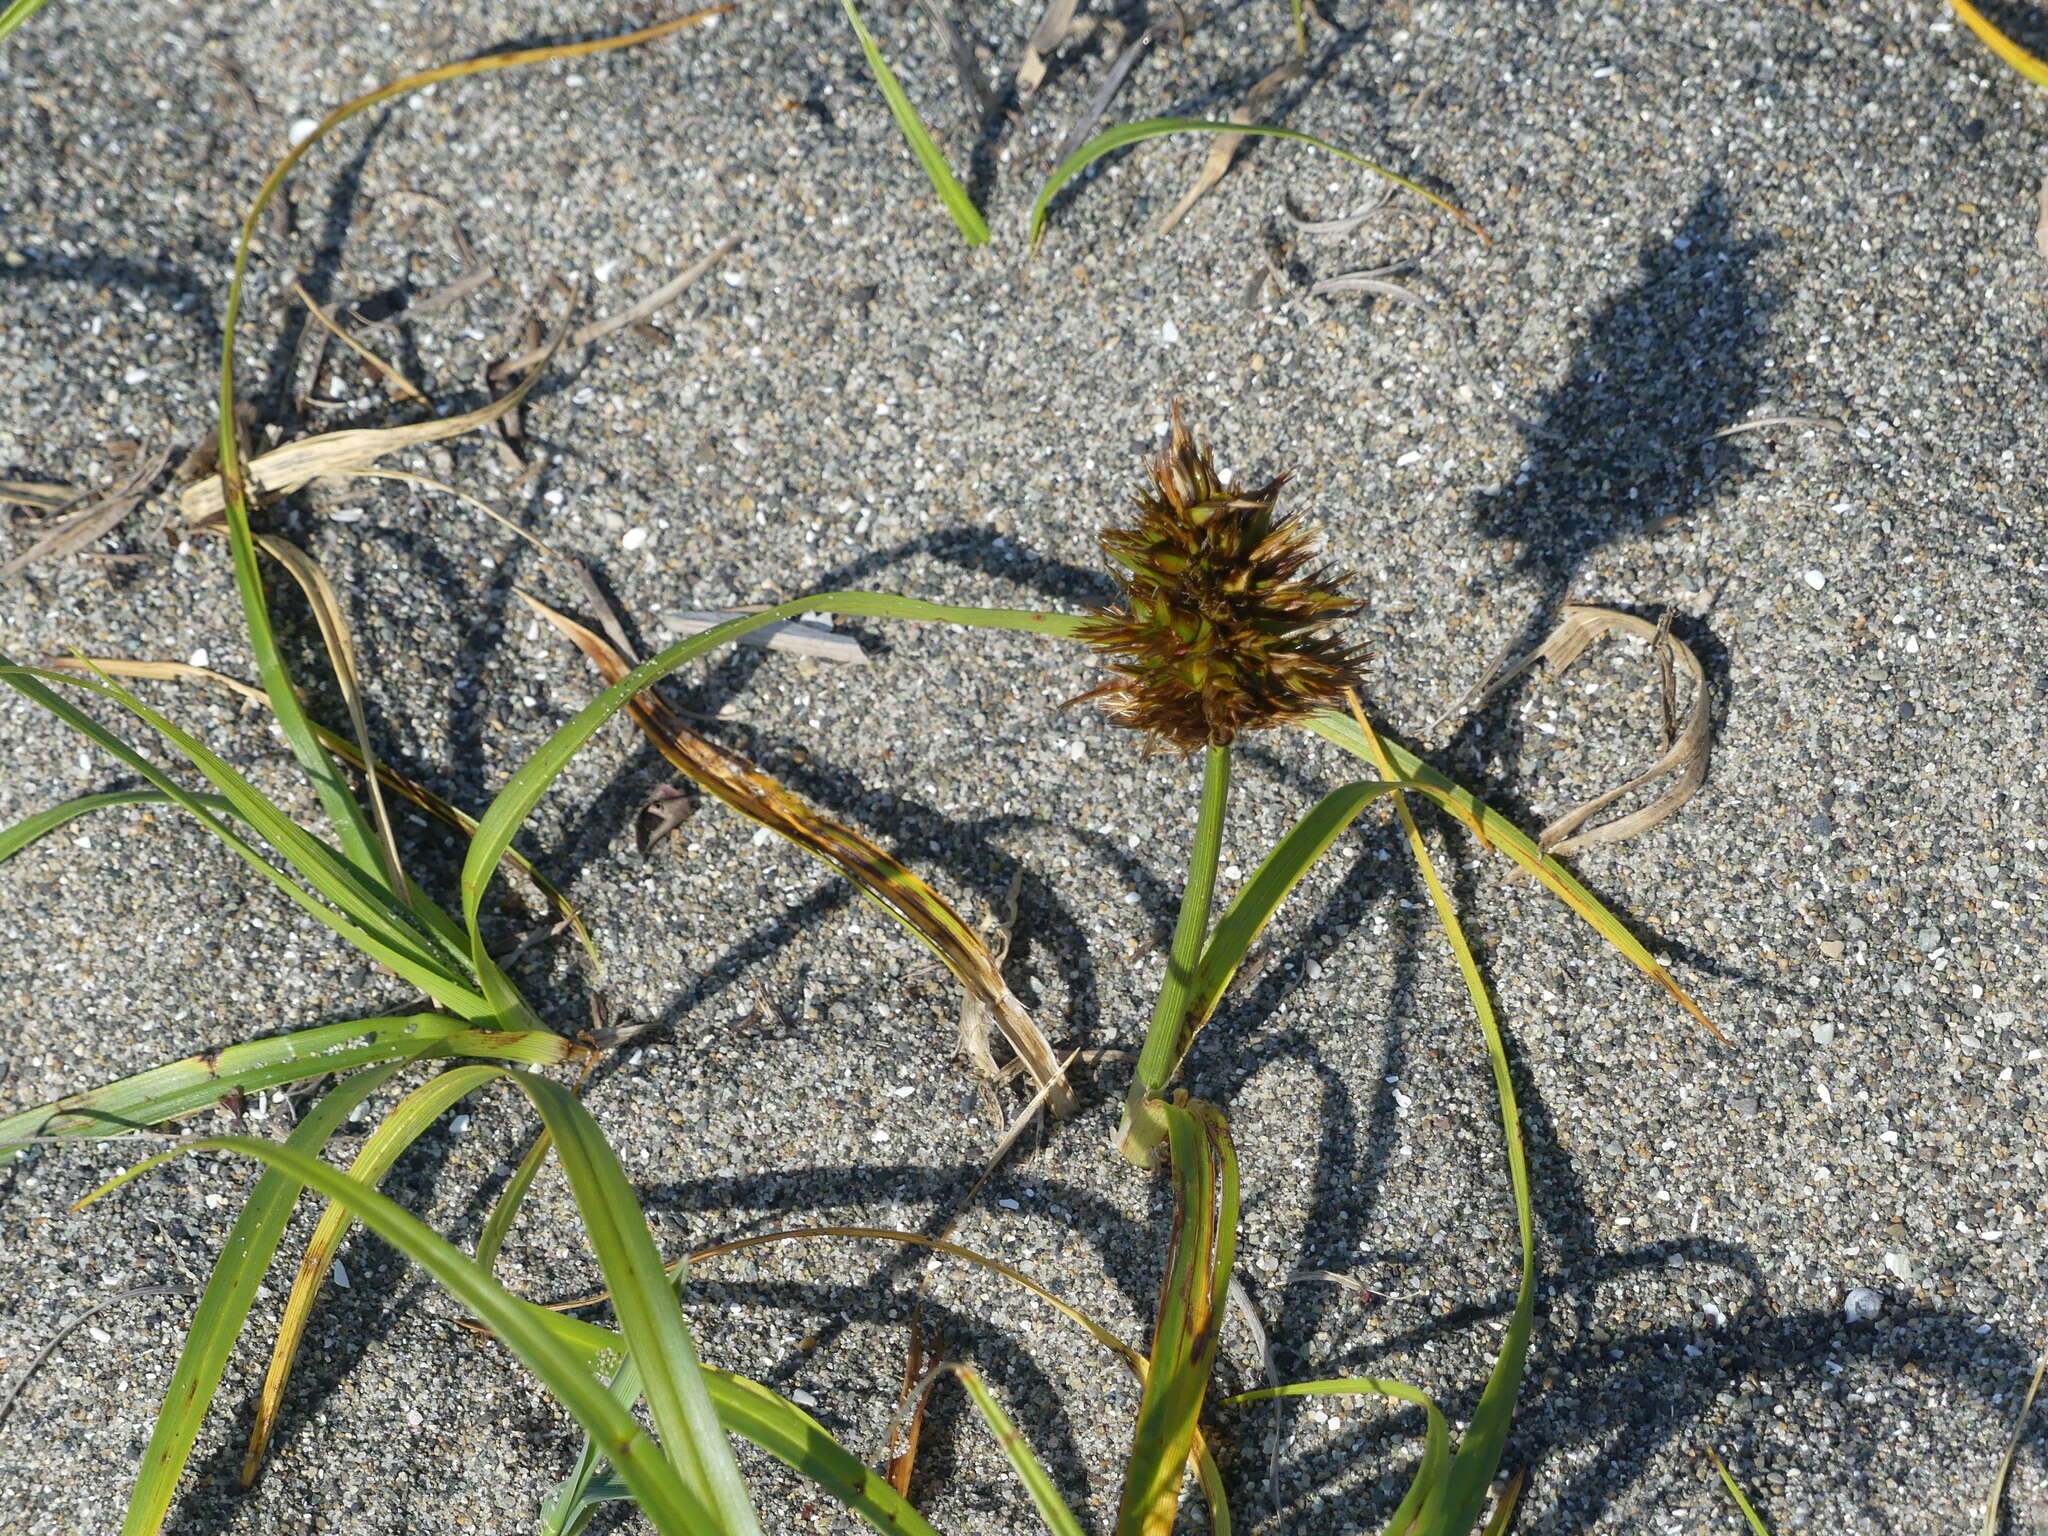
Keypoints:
(1169, 334)
(1824, 1032)
(1900, 1267)
(339, 1274)
(200, 658)
(1928, 939)
(1815, 580)
(1862, 1305)
(635, 537)
(302, 130)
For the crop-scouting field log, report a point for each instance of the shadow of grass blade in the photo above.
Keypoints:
(560, 1367)
(1427, 1484)
(877, 875)
(32, 828)
(197, 1083)
(17, 13)
(1486, 1433)
(1190, 1320)
(224, 1307)
(399, 1129)
(1125, 134)
(2026, 63)
(966, 217)
(1496, 832)
(1756, 1521)
(1052, 1509)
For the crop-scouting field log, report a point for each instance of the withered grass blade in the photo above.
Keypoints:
(293, 465)
(652, 304)
(342, 747)
(881, 878)
(394, 379)
(38, 495)
(1685, 755)
(1224, 146)
(1052, 29)
(341, 657)
(76, 530)
(1190, 1321)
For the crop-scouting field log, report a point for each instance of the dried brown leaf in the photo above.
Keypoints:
(293, 465)
(730, 778)
(1685, 757)
(666, 809)
(1223, 146)
(73, 532)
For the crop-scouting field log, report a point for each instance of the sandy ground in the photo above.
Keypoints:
(1702, 216)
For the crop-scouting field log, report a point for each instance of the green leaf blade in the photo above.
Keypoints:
(966, 217)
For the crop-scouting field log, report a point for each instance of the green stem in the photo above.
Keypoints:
(1167, 1037)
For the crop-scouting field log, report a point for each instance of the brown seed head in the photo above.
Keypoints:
(1223, 619)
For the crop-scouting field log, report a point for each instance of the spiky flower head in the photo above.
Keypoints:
(1224, 620)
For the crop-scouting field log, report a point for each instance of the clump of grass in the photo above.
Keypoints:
(1224, 630)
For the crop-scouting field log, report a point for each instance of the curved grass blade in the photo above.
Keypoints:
(507, 812)
(2033, 68)
(404, 1125)
(1495, 831)
(1756, 1521)
(352, 828)
(801, 1443)
(966, 217)
(32, 828)
(224, 1306)
(321, 597)
(16, 13)
(372, 922)
(884, 880)
(650, 1317)
(593, 1341)
(1126, 134)
(656, 1487)
(498, 1226)
(1486, 1434)
(1436, 1444)
(342, 747)
(1248, 914)
(197, 1083)
(1190, 1321)
(1052, 1509)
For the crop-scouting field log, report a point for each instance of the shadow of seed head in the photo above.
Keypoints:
(1224, 621)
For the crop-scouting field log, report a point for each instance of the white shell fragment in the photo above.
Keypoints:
(1862, 1305)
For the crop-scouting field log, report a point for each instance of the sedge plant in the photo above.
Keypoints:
(1224, 628)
